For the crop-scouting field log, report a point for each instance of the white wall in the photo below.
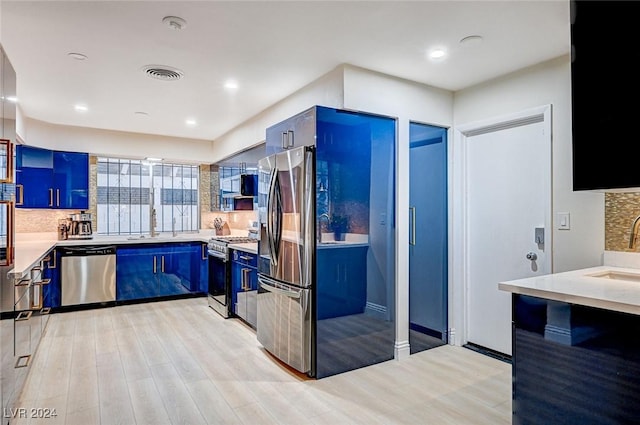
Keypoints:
(325, 91)
(543, 84)
(115, 143)
(376, 93)
(547, 83)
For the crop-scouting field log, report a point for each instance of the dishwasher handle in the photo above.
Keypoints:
(83, 251)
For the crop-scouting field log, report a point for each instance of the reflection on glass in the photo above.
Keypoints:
(5, 161)
(6, 242)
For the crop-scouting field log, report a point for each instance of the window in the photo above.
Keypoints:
(127, 188)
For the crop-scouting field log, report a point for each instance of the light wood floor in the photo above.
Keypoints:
(178, 362)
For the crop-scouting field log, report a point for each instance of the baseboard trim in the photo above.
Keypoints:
(425, 330)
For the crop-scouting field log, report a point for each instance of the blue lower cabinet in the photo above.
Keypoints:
(202, 257)
(51, 293)
(145, 271)
(574, 364)
(136, 269)
(341, 281)
(244, 286)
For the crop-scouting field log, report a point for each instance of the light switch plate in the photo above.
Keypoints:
(563, 221)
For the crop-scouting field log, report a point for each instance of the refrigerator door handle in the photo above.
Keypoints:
(267, 286)
(279, 217)
(270, 214)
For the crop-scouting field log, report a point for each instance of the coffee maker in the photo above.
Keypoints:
(80, 226)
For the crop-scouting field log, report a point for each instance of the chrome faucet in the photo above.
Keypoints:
(153, 224)
(325, 215)
(634, 233)
(152, 215)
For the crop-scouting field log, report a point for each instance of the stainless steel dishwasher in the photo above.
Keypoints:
(87, 274)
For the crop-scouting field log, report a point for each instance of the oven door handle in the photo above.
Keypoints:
(217, 255)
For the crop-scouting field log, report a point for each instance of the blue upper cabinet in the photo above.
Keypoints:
(71, 180)
(296, 131)
(51, 179)
(34, 175)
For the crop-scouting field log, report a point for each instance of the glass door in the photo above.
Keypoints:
(428, 237)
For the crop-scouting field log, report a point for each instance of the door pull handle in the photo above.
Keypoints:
(412, 238)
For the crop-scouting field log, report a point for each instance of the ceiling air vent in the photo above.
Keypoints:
(161, 72)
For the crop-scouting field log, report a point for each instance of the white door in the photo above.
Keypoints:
(508, 196)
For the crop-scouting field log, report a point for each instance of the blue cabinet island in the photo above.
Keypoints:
(576, 348)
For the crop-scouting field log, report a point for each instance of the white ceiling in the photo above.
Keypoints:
(270, 48)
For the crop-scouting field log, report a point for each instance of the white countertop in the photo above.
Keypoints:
(577, 287)
(251, 247)
(31, 248)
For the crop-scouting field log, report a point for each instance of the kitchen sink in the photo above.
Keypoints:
(132, 238)
(616, 275)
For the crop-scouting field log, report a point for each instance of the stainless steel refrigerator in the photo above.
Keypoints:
(286, 266)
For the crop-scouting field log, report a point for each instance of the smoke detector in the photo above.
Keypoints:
(174, 22)
(162, 72)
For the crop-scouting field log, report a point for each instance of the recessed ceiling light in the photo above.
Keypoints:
(191, 122)
(471, 40)
(231, 85)
(141, 113)
(438, 53)
(174, 22)
(81, 108)
(77, 56)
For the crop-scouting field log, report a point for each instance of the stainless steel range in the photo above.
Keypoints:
(220, 272)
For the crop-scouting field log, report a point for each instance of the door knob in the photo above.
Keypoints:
(532, 256)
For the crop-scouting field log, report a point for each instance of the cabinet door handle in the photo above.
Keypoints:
(36, 297)
(50, 197)
(23, 361)
(290, 139)
(58, 197)
(204, 251)
(155, 265)
(162, 264)
(21, 194)
(246, 257)
(245, 279)
(23, 315)
(55, 265)
(284, 140)
(24, 282)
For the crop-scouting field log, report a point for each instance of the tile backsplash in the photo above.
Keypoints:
(39, 220)
(620, 209)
